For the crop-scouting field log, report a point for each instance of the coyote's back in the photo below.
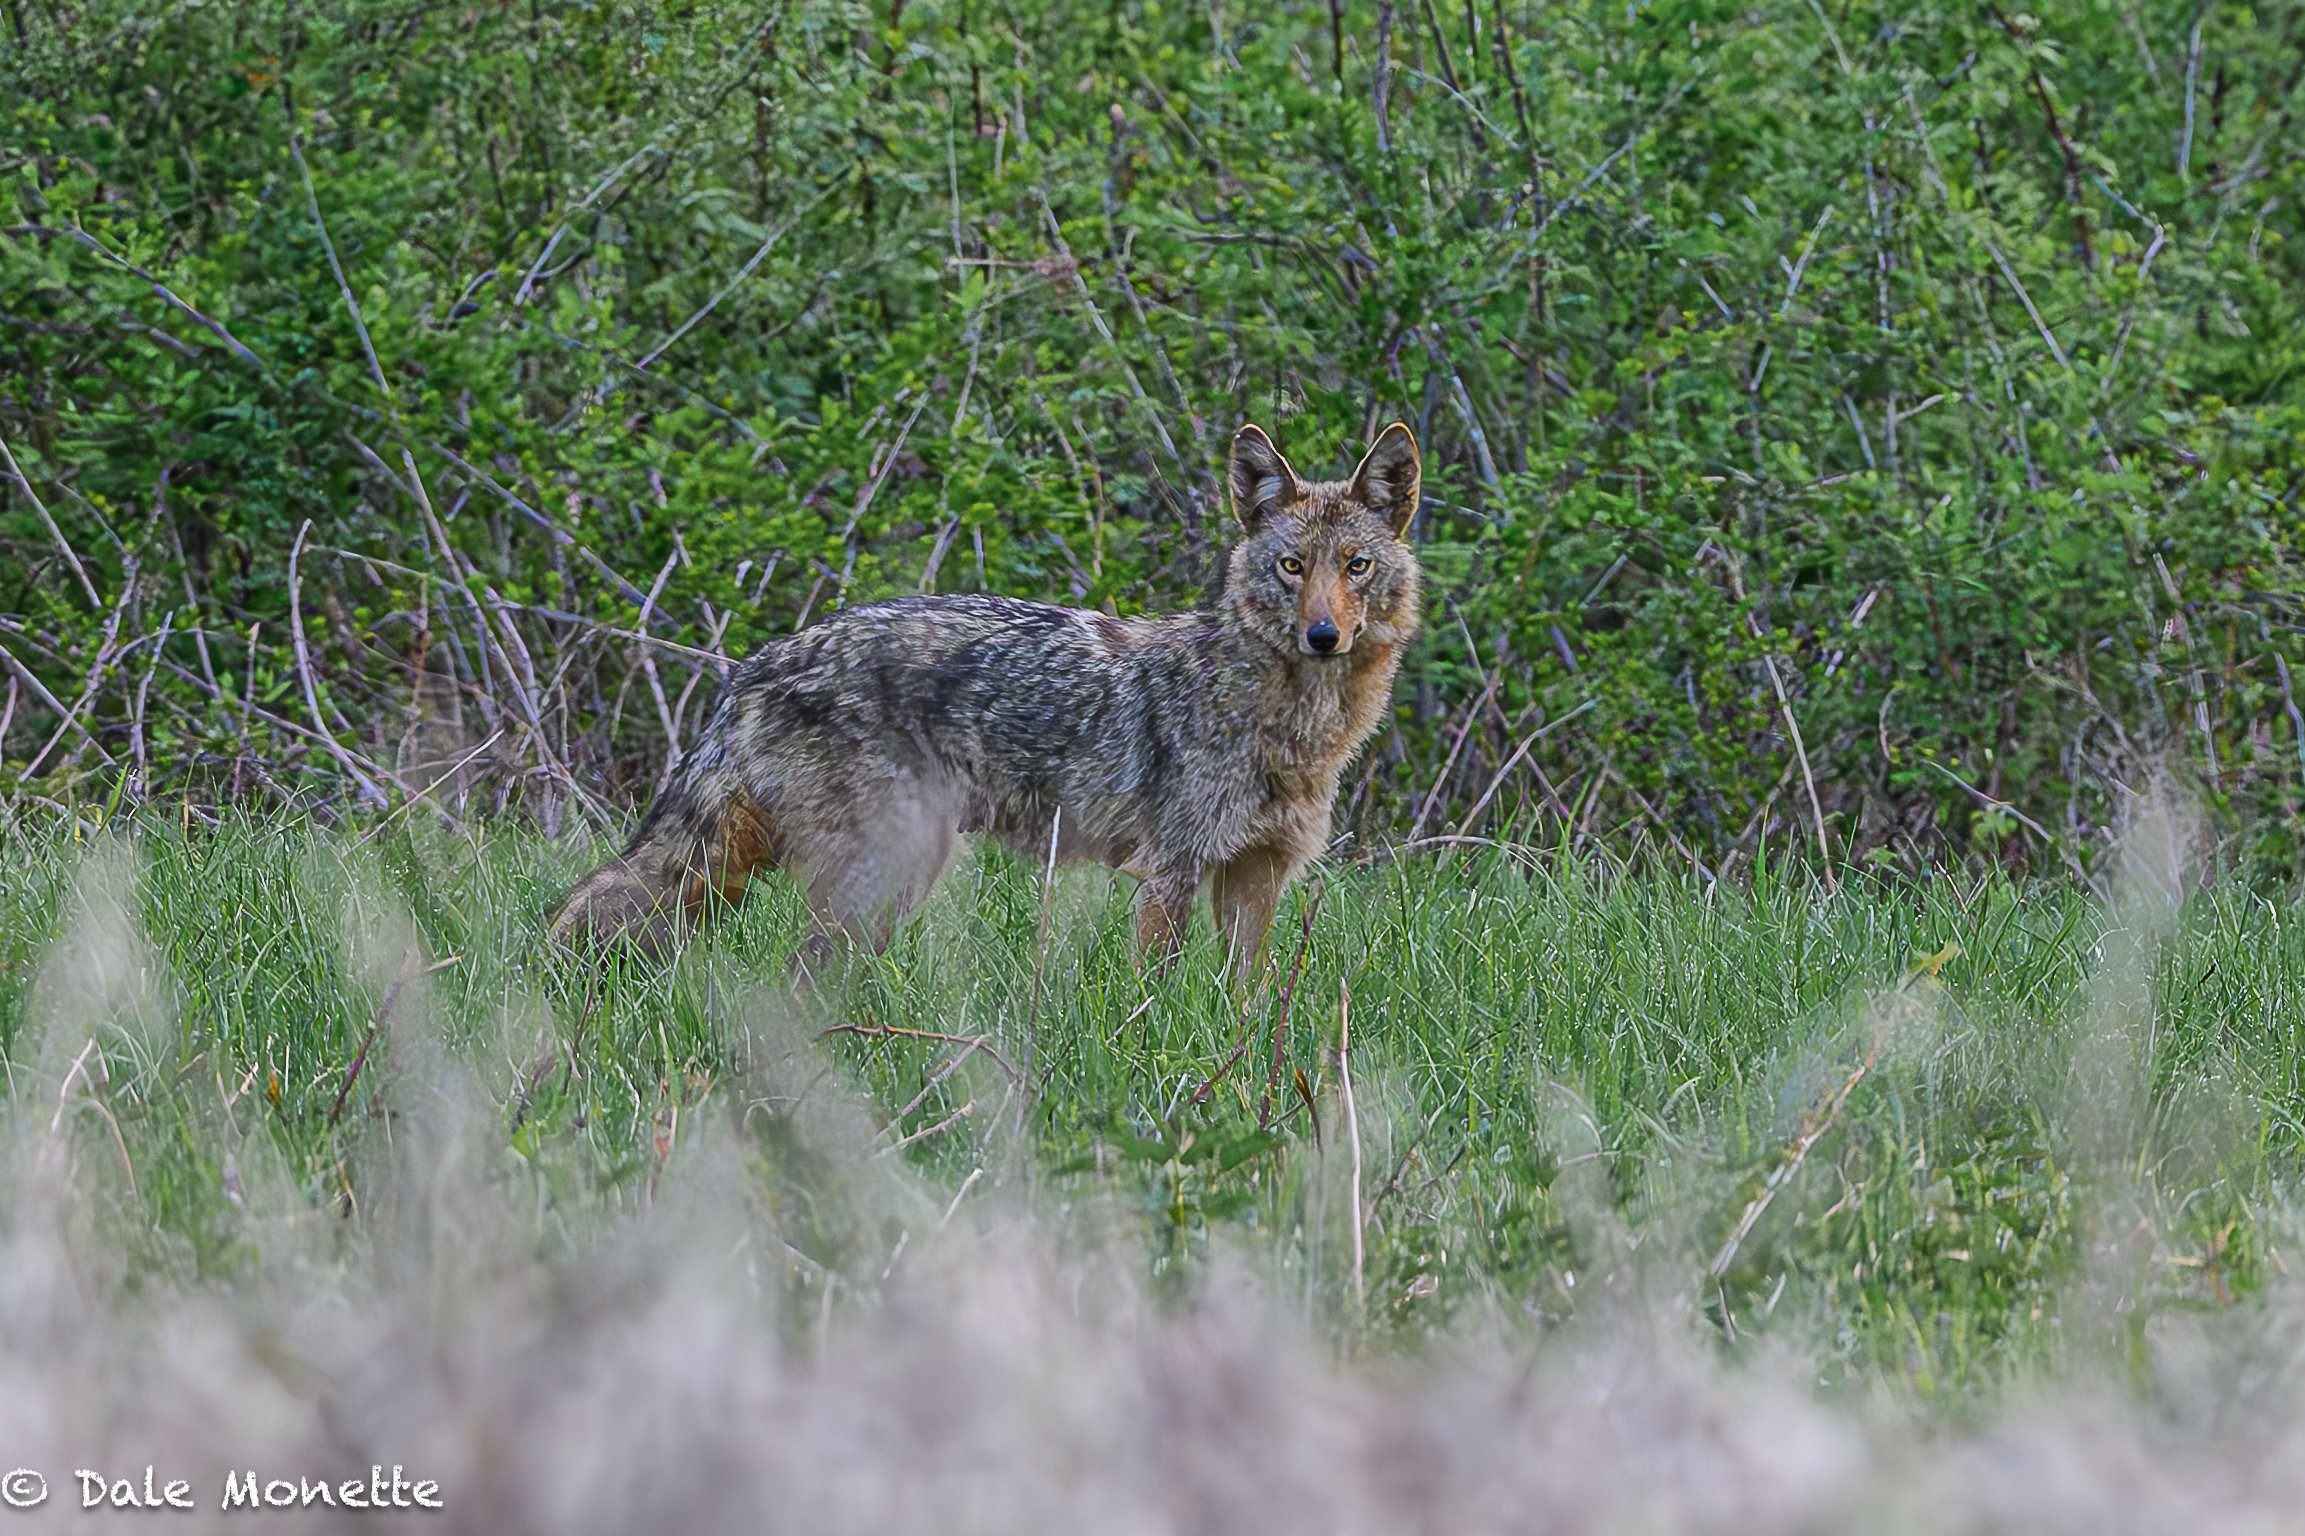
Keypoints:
(1199, 748)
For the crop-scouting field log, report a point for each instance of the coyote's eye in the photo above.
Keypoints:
(1358, 566)
(1292, 565)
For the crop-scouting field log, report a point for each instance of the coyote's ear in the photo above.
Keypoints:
(1388, 478)
(1261, 478)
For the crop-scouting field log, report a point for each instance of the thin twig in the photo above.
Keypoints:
(958, 1195)
(1224, 1069)
(136, 754)
(552, 530)
(2192, 87)
(359, 324)
(1441, 779)
(160, 289)
(1039, 965)
(1792, 729)
(1576, 194)
(1811, 1132)
(743, 272)
(1352, 1134)
(383, 1012)
(64, 1100)
(528, 283)
(884, 461)
(1528, 741)
(2063, 850)
(40, 691)
(506, 638)
(369, 788)
(2066, 151)
(1808, 777)
(1801, 265)
(950, 1065)
(1657, 820)
(93, 683)
(49, 523)
(1992, 804)
(946, 1124)
(1312, 906)
(556, 615)
(1377, 857)
(510, 645)
(2280, 667)
(897, 1032)
(258, 712)
(64, 1090)
(672, 753)
(2026, 299)
(445, 775)
(1071, 264)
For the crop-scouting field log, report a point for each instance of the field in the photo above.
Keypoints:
(1799, 1029)
(1682, 1206)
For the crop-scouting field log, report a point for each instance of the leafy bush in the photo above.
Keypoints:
(1919, 378)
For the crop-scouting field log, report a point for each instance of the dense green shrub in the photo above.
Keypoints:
(1921, 376)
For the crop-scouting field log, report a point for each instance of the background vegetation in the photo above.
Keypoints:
(1881, 422)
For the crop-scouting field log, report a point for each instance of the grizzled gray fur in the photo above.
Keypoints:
(1201, 749)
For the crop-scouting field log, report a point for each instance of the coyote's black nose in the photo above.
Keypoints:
(1322, 636)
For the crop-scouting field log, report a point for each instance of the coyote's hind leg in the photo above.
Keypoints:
(871, 864)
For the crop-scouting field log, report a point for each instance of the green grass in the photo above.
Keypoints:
(1569, 1082)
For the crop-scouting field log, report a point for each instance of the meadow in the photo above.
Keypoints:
(1799, 1030)
(1905, 1158)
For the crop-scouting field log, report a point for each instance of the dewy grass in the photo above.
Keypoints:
(1860, 1136)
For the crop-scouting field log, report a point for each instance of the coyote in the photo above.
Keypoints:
(1199, 748)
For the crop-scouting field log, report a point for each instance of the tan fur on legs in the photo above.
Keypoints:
(1164, 905)
(1246, 890)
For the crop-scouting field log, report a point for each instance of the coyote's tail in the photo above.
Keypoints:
(702, 840)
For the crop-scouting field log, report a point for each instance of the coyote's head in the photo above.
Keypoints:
(1324, 565)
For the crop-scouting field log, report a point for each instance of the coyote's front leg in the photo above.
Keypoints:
(1247, 888)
